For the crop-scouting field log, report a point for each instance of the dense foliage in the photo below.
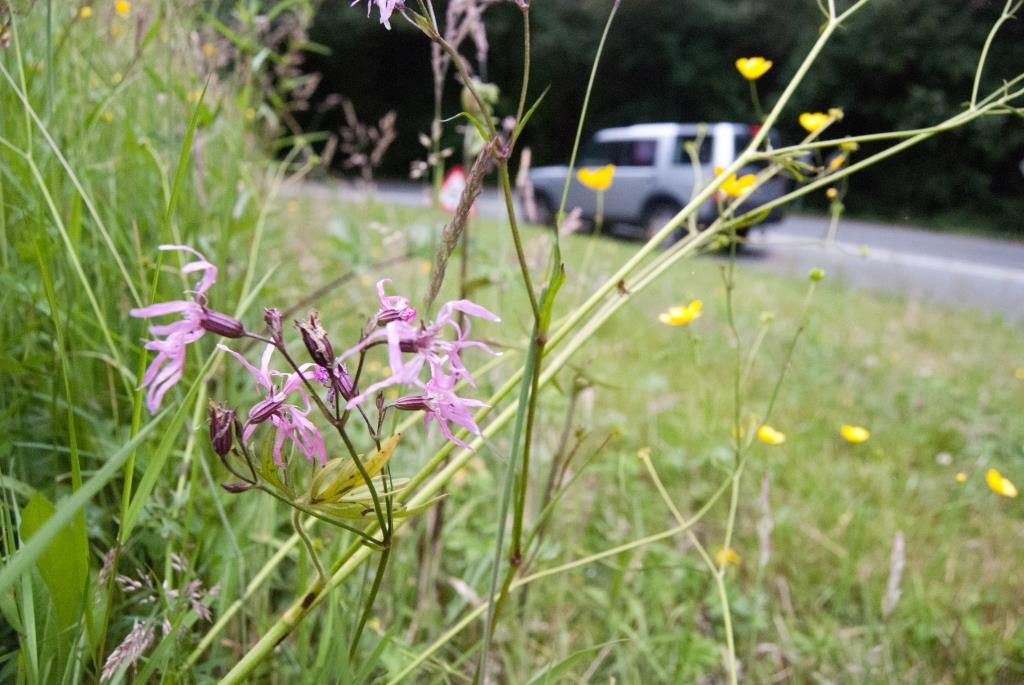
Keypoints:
(674, 61)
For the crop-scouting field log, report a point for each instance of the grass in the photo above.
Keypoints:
(79, 236)
(931, 384)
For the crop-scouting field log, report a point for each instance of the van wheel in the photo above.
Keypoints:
(656, 215)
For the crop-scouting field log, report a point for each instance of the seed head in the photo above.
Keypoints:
(222, 422)
(315, 338)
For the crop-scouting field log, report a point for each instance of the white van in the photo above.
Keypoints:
(654, 175)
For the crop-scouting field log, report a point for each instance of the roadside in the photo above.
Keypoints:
(967, 272)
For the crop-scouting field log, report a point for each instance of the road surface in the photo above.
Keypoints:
(965, 272)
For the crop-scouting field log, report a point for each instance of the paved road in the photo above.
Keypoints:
(966, 272)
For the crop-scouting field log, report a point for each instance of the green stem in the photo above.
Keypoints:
(510, 209)
(370, 600)
(560, 215)
(308, 544)
(1008, 12)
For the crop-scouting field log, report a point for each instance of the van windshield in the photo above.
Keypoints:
(619, 152)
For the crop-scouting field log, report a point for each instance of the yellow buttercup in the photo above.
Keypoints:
(599, 179)
(812, 121)
(680, 316)
(753, 68)
(733, 186)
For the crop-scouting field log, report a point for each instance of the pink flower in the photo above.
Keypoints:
(392, 307)
(440, 404)
(290, 421)
(168, 365)
(426, 345)
(385, 7)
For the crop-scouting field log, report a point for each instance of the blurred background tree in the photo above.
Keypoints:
(900, 64)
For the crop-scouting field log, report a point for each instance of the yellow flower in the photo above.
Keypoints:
(680, 316)
(598, 180)
(832, 193)
(961, 477)
(209, 49)
(999, 484)
(733, 186)
(107, 117)
(116, 77)
(85, 12)
(727, 556)
(753, 68)
(854, 434)
(1018, 373)
(770, 436)
(123, 8)
(849, 146)
(250, 113)
(193, 95)
(836, 162)
(425, 266)
(116, 30)
(812, 121)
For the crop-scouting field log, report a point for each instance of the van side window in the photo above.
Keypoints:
(681, 157)
(620, 153)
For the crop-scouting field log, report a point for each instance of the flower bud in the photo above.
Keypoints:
(272, 315)
(346, 384)
(411, 403)
(816, 274)
(315, 338)
(221, 324)
(235, 488)
(222, 422)
(261, 411)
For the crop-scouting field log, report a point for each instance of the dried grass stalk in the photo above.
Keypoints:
(896, 565)
(452, 232)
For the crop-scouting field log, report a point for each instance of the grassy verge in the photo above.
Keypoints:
(937, 389)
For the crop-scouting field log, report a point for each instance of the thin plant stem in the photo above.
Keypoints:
(560, 214)
(308, 544)
(370, 600)
(1009, 10)
(510, 209)
(717, 572)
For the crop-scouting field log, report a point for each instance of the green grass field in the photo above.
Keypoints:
(938, 391)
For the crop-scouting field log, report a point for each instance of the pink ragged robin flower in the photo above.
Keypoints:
(439, 403)
(392, 307)
(168, 365)
(425, 344)
(385, 7)
(290, 421)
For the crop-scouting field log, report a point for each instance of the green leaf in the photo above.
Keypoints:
(476, 124)
(553, 672)
(529, 113)
(160, 456)
(63, 564)
(17, 564)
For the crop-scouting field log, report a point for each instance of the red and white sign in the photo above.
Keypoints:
(451, 189)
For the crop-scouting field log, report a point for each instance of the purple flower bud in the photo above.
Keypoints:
(346, 383)
(315, 338)
(264, 409)
(272, 315)
(221, 324)
(222, 422)
(412, 403)
(235, 488)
